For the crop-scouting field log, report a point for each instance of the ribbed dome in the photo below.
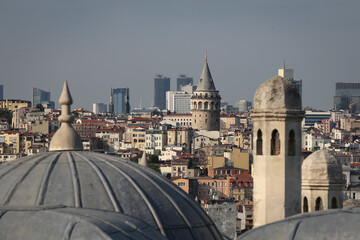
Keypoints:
(277, 93)
(71, 223)
(97, 181)
(332, 224)
(321, 166)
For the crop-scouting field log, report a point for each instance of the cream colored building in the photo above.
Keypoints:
(277, 116)
(14, 104)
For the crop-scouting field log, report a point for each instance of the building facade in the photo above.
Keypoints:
(42, 97)
(99, 108)
(205, 103)
(347, 97)
(120, 100)
(161, 86)
(183, 80)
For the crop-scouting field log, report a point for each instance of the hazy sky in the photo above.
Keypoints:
(96, 45)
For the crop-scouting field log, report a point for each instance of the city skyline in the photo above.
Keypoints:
(95, 46)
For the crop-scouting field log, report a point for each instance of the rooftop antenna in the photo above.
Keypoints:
(284, 64)
(140, 102)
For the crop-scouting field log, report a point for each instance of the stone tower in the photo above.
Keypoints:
(277, 116)
(322, 182)
(205, 103)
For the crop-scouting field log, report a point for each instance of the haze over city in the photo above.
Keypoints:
(96, 45)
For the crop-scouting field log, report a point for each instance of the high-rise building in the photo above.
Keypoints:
(288, 74)
(243, 105)
(120, 100)
(347, 97)
(99, 108)
(178, 101)
(42, 97)
(205, 103)
(161, 86)
(183, 80)
(1, 92)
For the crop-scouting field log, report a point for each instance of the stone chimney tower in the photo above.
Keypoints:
(277, 116)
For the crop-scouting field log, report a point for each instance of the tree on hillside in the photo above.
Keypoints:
(6, 114)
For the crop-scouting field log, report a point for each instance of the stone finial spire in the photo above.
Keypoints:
(66, 138)
(143, 160)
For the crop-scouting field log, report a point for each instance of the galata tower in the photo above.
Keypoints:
(205, 103)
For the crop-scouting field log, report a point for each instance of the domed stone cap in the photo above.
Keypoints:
(277, 93)
(331, 224)
(71, 223)
(97, 181)
(321, 166)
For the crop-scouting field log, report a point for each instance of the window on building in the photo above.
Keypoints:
(259, 150)
(181, 184)
(291, 145)
(334, 203)
(305, 205)
(319, 204)
(275, 142)
(174, 168)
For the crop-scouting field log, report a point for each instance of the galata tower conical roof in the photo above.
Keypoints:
(206, 82)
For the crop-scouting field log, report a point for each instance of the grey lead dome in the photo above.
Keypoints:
(97, 181)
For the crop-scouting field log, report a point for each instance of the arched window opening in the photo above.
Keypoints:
(200, 105)
(319, 204)
(195, 105)
(217, 106)
(212, 105)
(334, 203)
(275, 143)
(305, 205)
(259, 150)
(291, 144)
(206, 105)
(206, 95)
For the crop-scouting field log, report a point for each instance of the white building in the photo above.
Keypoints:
(313, 141)
(155, 139)
(178, 101)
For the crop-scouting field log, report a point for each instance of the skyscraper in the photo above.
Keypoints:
(347, 96)
(42, 97)
(183, 80)
(120, 100)
(161, 86)
(1, 92)
(288, 74)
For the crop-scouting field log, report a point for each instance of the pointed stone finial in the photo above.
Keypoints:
(143, 160)
(205, 56)
(66, 138)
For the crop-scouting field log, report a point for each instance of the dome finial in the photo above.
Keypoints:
(143, 160)
(65, 138)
